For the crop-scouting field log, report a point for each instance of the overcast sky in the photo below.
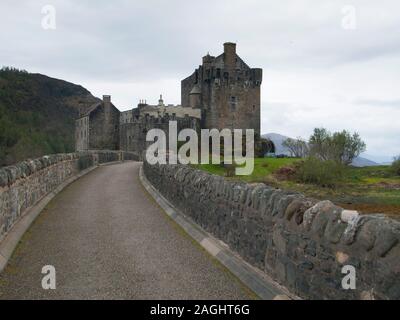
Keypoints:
(321, 66)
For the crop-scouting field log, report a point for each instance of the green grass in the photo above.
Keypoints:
(263, 167)
(369, 189)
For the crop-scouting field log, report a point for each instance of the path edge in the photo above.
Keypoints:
(259, 282)
(13, 237)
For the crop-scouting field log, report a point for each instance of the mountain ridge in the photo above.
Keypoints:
(37, 114)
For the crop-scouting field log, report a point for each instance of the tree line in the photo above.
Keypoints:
(342, 147)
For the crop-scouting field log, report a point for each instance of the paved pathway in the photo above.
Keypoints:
(108, 239)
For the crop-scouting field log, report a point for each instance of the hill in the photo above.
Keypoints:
(278, 140)
(37, 114)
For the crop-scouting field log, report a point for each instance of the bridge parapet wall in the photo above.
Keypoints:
(302, 243)
(25, 183)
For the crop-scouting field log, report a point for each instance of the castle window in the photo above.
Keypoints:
(233, 102)
(218, 73)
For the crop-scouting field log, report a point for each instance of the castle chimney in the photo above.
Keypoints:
(230, 55)
(107, 106)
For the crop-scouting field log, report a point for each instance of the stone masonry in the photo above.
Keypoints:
(226, 90)
(97, 128)
(300, 242)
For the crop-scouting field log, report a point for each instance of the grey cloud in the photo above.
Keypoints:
(379, 102)
(125, 46)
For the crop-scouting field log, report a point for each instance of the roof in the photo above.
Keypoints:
(86, 112)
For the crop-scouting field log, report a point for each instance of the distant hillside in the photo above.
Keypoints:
(37, 114)
(363, 162)
(278, 139)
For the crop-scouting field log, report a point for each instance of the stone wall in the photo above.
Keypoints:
(24, 184)
(104, 128)
(133, 135)
(300, 242)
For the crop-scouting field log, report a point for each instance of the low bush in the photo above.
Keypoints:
(322, 173)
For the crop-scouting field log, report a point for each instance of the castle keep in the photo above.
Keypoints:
(223, 92)
(227, 91)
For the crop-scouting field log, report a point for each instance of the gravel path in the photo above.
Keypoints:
(107, 239)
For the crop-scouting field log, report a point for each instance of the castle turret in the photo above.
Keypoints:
(161, 101)
(207, 60)
(230, 55)
(195, 97)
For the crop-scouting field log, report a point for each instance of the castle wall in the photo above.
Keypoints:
(104, 128)
(126, 116)
(133, 135)
(186, 86)
(233, 105)
(82, 134)
(171, 111)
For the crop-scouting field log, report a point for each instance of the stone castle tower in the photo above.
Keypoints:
(227, 91)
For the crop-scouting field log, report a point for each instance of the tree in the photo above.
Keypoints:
(319, 143)
(346, 146)
(297, 147)
(341, 147)
(396, 165)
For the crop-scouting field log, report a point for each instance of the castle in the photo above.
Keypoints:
(223, 92)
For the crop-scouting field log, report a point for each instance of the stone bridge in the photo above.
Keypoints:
(112, 230)
(104, 234)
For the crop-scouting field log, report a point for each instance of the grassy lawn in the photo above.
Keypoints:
(263, 167)
(368, 190)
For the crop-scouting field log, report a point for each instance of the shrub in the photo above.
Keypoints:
(327, 173)
(396, 166)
